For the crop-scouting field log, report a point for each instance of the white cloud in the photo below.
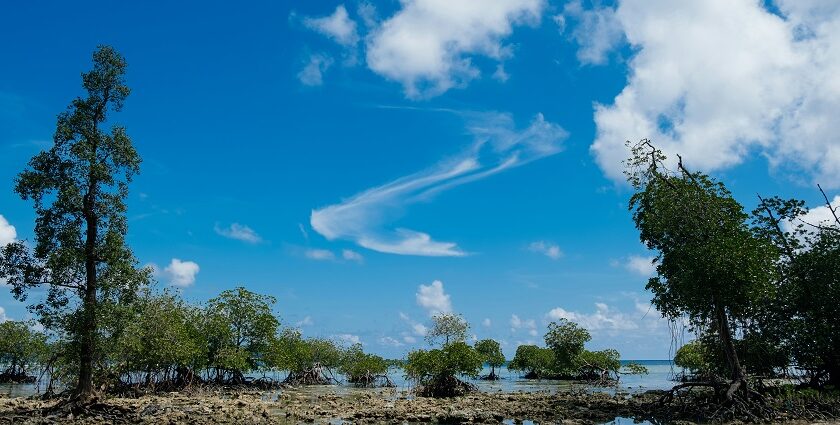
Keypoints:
(239, 232)
(641, 265)
(498, 146)
(643, 319)
(306, 321)
(367, 11)
(181, 273)
(433, 298)
(419, 329)
(390, 342)
(319, 254)
(350, 255)
(516, 324)
(753, 83)
(312, 73)
(7, 232)
(338, 26)
(550, 250)
(486, 323)
(822, 216)
(349, 338)
(598, 31)
(3, 316)
(409, 339)
(428, 45)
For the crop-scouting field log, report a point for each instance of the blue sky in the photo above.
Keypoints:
(372, 163)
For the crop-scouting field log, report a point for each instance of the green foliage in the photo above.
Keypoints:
(360, 367)
(239, 327)
(712, 269)
(78, 188)
(634, 369)
(801, 319)
(162, 336)
(20, 347)
(447, 328)
(456, 358)
(567, 340)
(534, 361)
(291, 352)
(491, 353)
(693, 356)
(598, 364)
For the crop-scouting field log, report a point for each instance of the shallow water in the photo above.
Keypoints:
(660, 377)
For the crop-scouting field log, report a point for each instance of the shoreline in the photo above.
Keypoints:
(302, 405)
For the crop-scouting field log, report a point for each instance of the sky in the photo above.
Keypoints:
(371, 164)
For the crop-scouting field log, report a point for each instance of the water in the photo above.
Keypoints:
(659, 377)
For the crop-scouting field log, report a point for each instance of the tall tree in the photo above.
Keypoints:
(78, 188)
(711, 267)
(239, 326)
(802, 318)
(447, 328)
(491, 353)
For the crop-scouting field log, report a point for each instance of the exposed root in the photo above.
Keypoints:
(370, 380)
(445, 386)
(317, 375)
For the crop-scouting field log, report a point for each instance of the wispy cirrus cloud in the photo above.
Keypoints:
(498, 146)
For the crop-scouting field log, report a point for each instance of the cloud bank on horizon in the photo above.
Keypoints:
(497, 146)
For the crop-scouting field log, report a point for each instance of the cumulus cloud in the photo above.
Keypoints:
(312, 73)
(550, 250)
(319, 254)
(390, 342)
(348, 338)
(517, 323)
(433, 298)
(643, 319)
(338, 26)
(181, 273)
(598, 31)
(642, 265)
(3, 316)
(239, 232)
(822, 215)
(428, 45)
(350, 255)
(7, 232)
(753, 82)
(497, 146)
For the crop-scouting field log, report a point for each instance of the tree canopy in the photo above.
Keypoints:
(78, 188)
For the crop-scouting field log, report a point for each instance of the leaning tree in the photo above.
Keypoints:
(711, 268)
(78, 188)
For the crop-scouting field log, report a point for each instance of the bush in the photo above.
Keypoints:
(365, 370)
(20, 347)
(436, 371)
(491, 354)
(535, 362)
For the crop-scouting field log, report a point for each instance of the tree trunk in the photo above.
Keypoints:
(87, 340)
(739, 380)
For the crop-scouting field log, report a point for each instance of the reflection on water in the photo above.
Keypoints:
(659, 377)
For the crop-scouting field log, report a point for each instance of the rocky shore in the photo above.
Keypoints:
(302, 406)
